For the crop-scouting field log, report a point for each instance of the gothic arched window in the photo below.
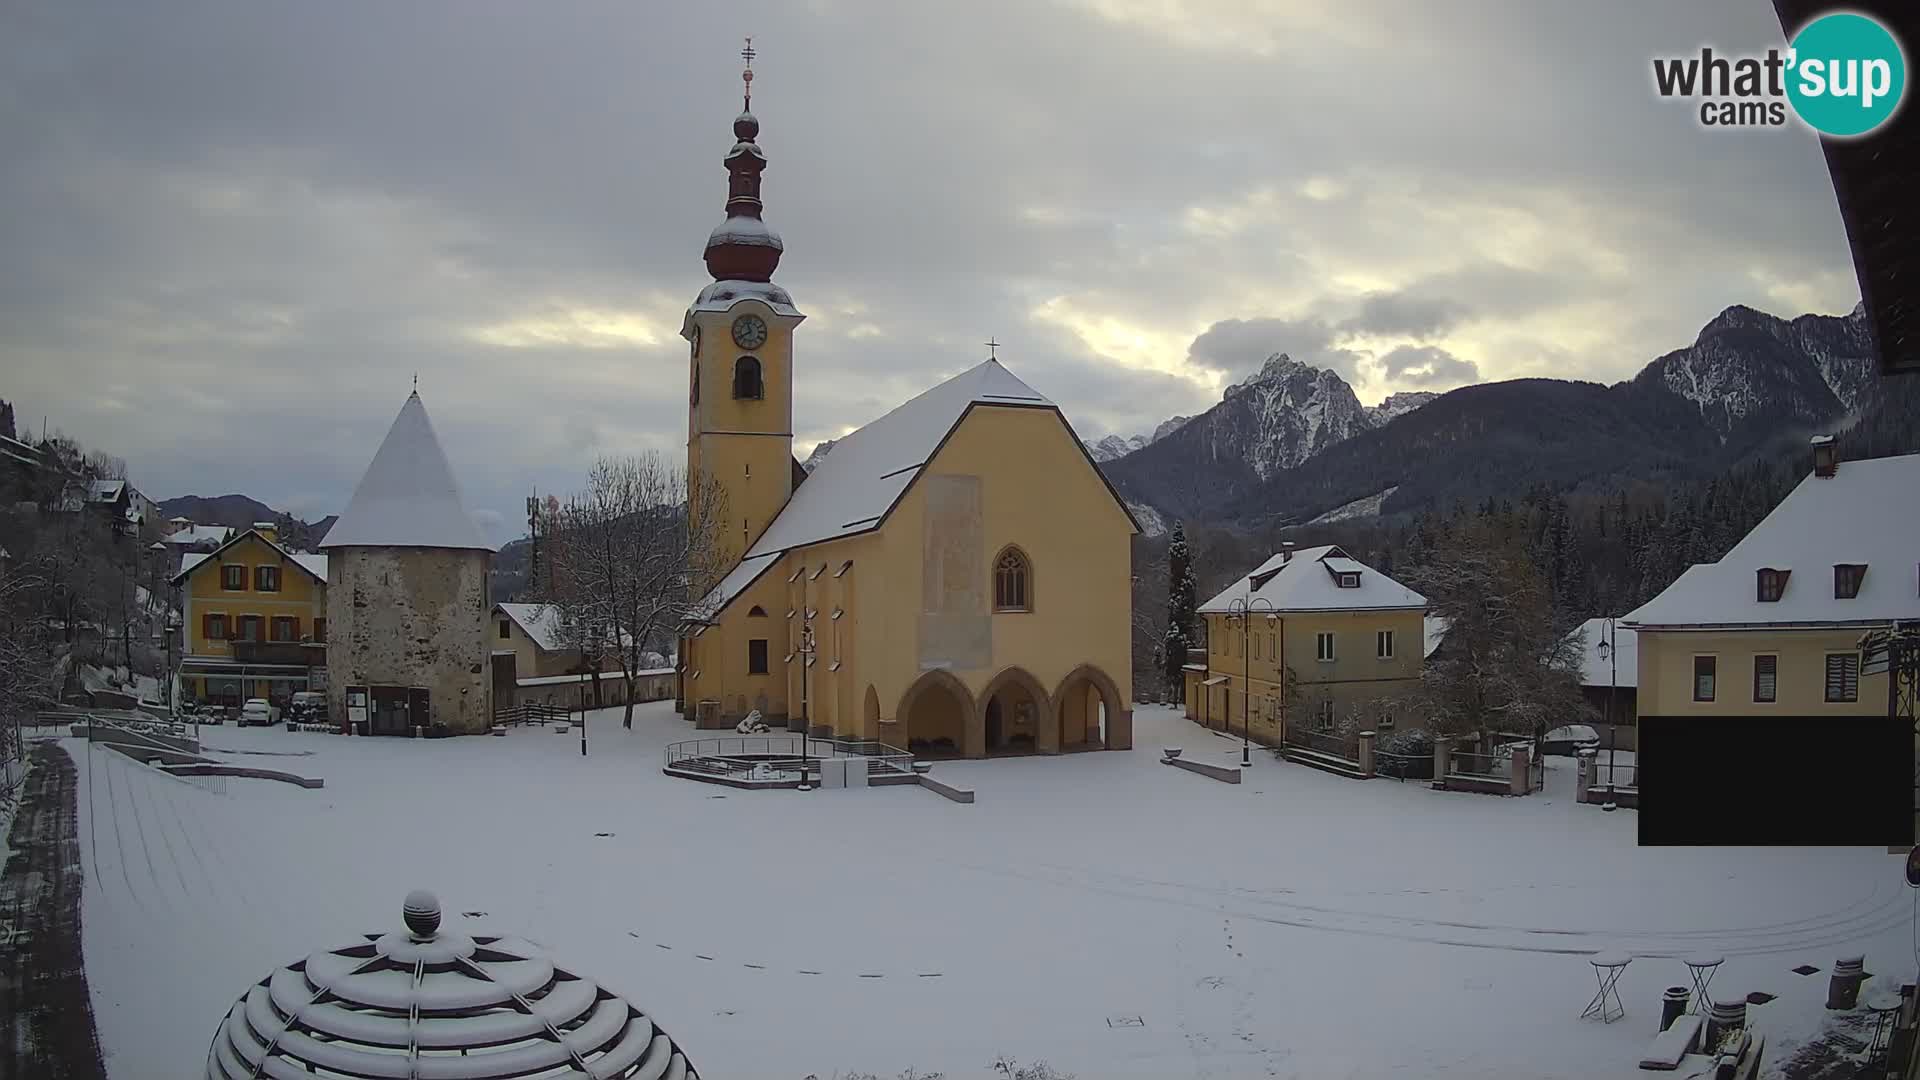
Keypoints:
(746, 378)
(1012, 581)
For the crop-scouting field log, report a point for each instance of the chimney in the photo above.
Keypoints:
(269, 530)
(1286, 552)
(1826, 455)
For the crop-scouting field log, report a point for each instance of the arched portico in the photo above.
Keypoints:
(1091, 711)
(1016, 715)
(935, 715)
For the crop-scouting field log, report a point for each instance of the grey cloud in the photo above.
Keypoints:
(261, 219)
(1240, 346)
(1428, 365)
(1397, 313)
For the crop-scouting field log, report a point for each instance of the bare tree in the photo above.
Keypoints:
(28, 649)
(1506, 665)
(622, 555)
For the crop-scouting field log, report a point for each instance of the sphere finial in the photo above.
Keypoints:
(422, 913)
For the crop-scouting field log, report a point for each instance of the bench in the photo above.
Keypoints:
(1674, 1043)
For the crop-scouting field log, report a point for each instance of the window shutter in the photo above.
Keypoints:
(1843, 677)
(1766, 672)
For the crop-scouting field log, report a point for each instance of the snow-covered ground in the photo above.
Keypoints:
(1102, 912)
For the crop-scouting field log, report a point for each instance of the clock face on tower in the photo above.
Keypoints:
(749, 332)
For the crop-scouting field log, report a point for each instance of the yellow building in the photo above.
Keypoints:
(1773, 628)
(1307, 641)
(953, 578)
(254, 620)
(533, 663)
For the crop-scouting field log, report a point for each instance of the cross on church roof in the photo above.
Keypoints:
(746, 75)
(993, 349)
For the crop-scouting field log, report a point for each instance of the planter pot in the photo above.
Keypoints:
(1172, 752)
(922, 767)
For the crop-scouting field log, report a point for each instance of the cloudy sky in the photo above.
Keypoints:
(230, 234)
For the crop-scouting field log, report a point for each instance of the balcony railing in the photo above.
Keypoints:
(292, 653)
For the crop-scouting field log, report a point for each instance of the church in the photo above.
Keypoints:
(953, 579)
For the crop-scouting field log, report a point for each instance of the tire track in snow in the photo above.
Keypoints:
(119, 837)
(142, 786)
(1878, 901)
(1435, 932)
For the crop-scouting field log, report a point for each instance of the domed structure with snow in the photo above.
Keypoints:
(408, 594)
(430, 1002)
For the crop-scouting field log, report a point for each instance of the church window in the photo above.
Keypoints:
(757, 656)
(746, 379)
(1012, 581)
(757, 612)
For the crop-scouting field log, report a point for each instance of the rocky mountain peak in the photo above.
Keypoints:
(1398, 405)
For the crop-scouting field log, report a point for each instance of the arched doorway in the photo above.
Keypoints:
(870, 715)
(1016, 716)
(1092, 714)
(933, 716)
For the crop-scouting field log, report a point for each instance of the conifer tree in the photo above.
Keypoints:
(1181, 601)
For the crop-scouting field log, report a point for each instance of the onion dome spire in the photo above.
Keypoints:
(742, 248)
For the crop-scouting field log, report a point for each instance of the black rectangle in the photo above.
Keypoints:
(1815, 781)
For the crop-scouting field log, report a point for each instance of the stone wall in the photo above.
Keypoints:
(411, 617)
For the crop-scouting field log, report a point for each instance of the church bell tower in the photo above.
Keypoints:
(740, 337)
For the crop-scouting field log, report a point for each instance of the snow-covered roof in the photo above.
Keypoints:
(540, 622)
(200, 534)
(722, 295)
(105, 490)
(851, 490)
(312, 564)
(408, 497)
(1435, 632)
(1304, 584)
(1623, 669)
(429, 1001)
(744, 230)
(1865, 513)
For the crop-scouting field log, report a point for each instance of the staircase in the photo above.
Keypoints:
(1315, 759)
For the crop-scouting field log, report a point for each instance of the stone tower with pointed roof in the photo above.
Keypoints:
(408, 603)
(954, 579)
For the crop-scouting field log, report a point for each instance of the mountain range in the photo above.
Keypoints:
(1292, 444)
(240, 512)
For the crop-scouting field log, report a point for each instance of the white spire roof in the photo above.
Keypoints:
(408, 497)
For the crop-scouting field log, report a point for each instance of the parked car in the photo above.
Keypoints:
(257, 711)
(307, 707)
(1571, 739)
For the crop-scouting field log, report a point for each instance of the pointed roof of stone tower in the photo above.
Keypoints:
(408, 497)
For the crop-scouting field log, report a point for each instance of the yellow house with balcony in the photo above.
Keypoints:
(1310, 643)
(253, 619)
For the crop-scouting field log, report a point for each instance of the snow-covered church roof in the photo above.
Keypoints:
(1865, 514)
(853, 488)
(424, 1001)
(408, 497)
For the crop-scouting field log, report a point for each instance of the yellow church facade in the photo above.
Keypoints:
(954, 578)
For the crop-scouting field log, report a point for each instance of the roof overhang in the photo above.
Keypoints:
(1851, 624)
(1874, 178)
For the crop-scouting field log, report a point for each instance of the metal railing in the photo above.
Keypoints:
(1403, 766)
(739, 753)
(1625, 774)
(1334, 744)
(533, 712)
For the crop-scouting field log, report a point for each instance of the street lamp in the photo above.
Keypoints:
(806, 720)
(1611, 654)
(1240, 611)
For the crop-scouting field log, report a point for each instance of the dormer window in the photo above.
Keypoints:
(1847, 578)
(1771, 584)
(1347, 581)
